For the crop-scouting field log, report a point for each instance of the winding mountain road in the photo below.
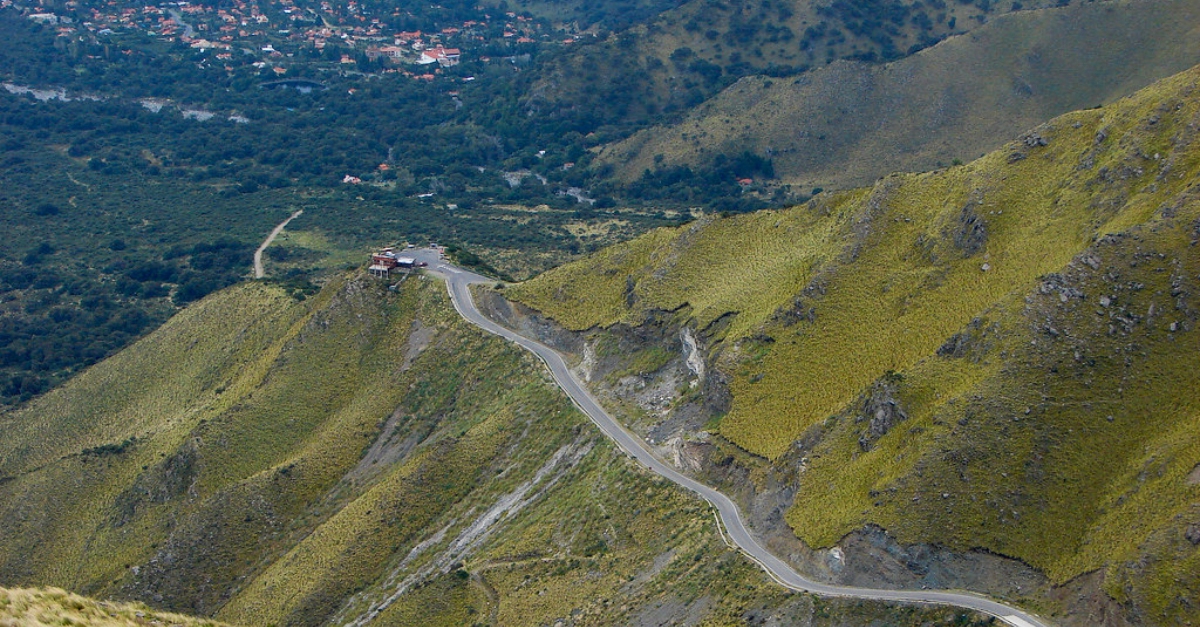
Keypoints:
(458, 282)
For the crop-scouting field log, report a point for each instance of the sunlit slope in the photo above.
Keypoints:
(999, 356)
(831, 295)
(189, 431)
(692, 49)
(47, 607)
(848, 123)
(362, 457)
(1059, 428)
(54, 607)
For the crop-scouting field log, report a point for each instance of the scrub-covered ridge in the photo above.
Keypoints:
(361, 456)
(995, 356)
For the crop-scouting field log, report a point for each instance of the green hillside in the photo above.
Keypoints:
(610, 14)
(849, 123)
(118, 208)
(681, 56)
(1028, 317)
(359, 457)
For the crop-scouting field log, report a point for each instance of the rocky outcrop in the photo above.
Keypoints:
(765, 491)
(880, 410)
(971, 233)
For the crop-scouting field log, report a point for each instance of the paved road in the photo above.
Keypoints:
(258, 266)
(458, 282)
(188, 31)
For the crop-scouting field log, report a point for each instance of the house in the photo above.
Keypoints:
(392, 52)
(383, 262)
(442, 56)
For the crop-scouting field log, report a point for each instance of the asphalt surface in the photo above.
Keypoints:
(458, 282)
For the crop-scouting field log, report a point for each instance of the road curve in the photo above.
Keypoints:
(458, 282)
(258, 265)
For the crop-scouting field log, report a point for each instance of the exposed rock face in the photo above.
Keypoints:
(517, 316)
(881, 411)
(1035, 139)
(972, 232)
(694, 357)
(170, 479)
(799, 310)
(867, 557)
(956, 346)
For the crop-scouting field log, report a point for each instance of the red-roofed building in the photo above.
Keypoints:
(441, 56)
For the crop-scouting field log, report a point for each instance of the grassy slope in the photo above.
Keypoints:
(189, 400)
(1056, 439)
(847, 124)
(38, 607)
(269, 461)
(890, 274)
(688, 53)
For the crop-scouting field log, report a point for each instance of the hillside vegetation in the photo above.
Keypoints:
(122, 200)
(138, 175)
(684, 55)
(848, 123)
(37, 607)
(993, 356)
(91, 258)
(359, 457)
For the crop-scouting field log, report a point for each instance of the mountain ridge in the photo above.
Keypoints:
(929, 355)
(361, 455)
(849, 123)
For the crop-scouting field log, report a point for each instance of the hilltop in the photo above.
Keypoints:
(990, 359)
(849, 123)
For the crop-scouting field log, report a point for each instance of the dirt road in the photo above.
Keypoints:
(258, 266)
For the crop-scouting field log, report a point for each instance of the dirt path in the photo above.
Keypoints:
(258, 267)
(79, 183)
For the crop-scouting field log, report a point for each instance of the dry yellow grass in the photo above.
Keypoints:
(54, 607)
